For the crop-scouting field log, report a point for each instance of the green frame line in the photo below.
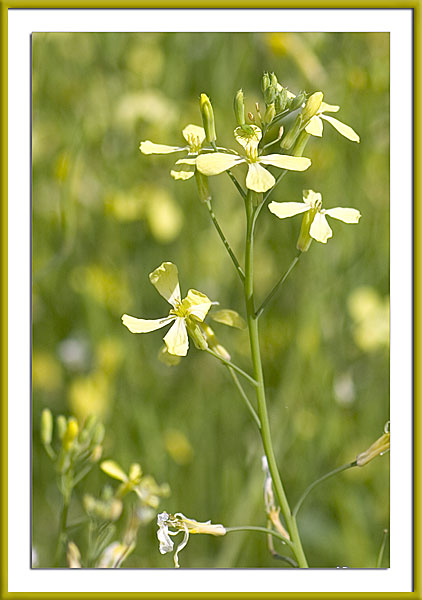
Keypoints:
(415, 6)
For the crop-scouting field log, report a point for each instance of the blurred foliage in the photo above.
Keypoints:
(104, 216)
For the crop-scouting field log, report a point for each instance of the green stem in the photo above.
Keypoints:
(225, 242)
(61, 541)
(381, 552)
(233, 366)
(277, 285)
(260, 388)
(244, 397)
(320, 480)
(260, 529)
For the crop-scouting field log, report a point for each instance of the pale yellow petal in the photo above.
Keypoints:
(314, 127)
(113, 470)
(194, 132)
(342, 128)
(313, 199)
(328, 108)
(248, 136)
(229, 317)
(259, 179)
(145, 325)
(347, 215)
(184, 169)
(176, 338)
(148, 147)
(214, 164)
(287, 209)
(197, 304)
(165, 279)
(320, 230)
(283, 161)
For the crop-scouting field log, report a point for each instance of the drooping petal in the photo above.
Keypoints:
(197, 304)
(328, 108)
(165, 279)
(111, 468)
(320, 230)
(248, 136)
(229, 317)
(166, 544)
(145, 325)
(287, 209)
(148, 147)
(342, 128)
(216, 163)
(181, 546)
(315, 126)
(284, 161)
(184, 169)
(193, 132)
(176, 339)
(259, 179)
(347, 215)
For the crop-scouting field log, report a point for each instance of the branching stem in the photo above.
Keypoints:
(278, 285)
(233, 366)
(244, 397)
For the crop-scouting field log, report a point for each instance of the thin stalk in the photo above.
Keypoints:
(381, 552)
(260, 388)
(61, 540)
(277, 285)
(225, 242)
(233, 366)
(244, 397)
(260, 529)
(320, 480)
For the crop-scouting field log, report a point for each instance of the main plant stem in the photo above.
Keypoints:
(260, 388)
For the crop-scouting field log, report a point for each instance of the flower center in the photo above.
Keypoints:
(180, 309)
(194, 143)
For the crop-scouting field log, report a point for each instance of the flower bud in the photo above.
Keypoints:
(269, 114)
(239, 108)
(304, 239)
(292, 134)
(61, 426)
(46, 427)
(312, 106)
(197, 335)
(301, 142)
(207, 118)
(266, 82)
(297, 101)
(202, 185)
(71, 433)
(378, 448)
(281, 100)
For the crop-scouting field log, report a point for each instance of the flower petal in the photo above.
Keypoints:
(165, 279)
(181, 546)
(194, 132)
(347, 215)
(342, 128)
(287, 209)
(320, 230)
(216, 163)
(248, 136)
(284, 161)
(111, 468)
(229, 317)
(176, 338)
(328, 108)
(259, 179)
(148, 147)
(145, 325)
(184, 169)
(166, 544)
(315, 126)
(197, 304)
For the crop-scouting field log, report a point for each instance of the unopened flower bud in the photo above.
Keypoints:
(197, 335)
(297, 101)
(312, 106)
(98, 435)
(207, 118)
(292, 134)
(239, 108)
(46, 427)
(281, 100)
(265, 82)
(61, 426)
(71, 433)
(304, 239)
(301, 142)
(269, 114)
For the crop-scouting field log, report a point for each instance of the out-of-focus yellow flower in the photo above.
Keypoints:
(145, 487)
(90, 395)
(46, 372)
(314, 224)
(170, 525)
(178, 446)
(371, 315)
(184, 314)
(378, 448)
(258, 179)
(185, 167)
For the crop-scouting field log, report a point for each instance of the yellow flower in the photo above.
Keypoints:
(258, 179)
(378, 448)
(178, 522)
(185, 313)
(145, 487)
(317, 226)
(315, 125)
(185, 167)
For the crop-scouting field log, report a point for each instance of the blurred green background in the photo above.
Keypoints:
(104, 216)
